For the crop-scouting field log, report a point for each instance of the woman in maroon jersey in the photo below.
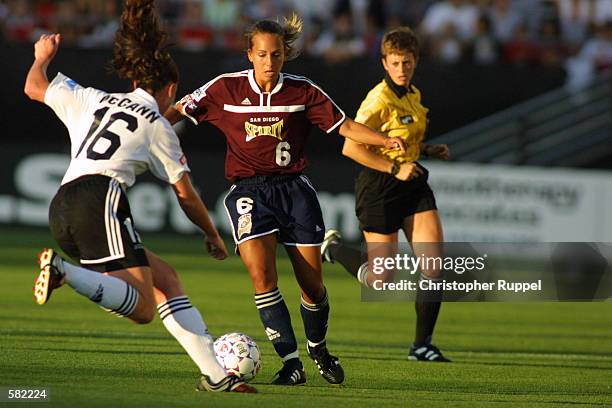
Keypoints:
(266, 116)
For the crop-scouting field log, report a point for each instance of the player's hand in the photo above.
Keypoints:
(395, 143)
(46, 47)
(409, 171)
(438, 151)
(216, 247)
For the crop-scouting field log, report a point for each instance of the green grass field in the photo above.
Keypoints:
(504, 354)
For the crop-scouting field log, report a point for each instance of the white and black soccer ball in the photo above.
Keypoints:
(239, 355)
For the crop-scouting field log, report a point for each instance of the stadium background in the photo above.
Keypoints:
(486, 66)
(479, 58)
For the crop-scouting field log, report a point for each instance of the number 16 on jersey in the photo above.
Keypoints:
(105, 143)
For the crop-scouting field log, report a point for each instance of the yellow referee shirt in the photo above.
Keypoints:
(397, 112)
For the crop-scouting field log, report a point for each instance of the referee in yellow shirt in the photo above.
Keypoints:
(391, 191)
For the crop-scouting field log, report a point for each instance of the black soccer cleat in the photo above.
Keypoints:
(51, 275)
(427, 352)
(328, 365)
(231, 383)
(292, 373)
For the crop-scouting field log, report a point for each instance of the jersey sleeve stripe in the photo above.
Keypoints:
(207, 85)
(301, 78)
(338, 123)
(201, 92)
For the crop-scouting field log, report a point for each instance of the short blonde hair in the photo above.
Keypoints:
(399, 41)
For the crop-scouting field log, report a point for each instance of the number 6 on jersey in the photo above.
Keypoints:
(283, 157)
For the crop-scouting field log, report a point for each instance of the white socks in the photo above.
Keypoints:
(181, 319)
(110, 293)
(185, 323)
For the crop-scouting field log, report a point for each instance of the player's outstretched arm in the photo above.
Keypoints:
(36, 82)
(364, 156)
(196, 211)
(363, 134)
(173, 113)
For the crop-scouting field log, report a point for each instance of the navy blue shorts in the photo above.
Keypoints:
(283, 204)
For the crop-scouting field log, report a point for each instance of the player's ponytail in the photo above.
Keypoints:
(289, 32)
(292, 29)
(140, 48)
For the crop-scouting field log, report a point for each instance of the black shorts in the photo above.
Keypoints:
(382, 202)
(91, 221)
(285, 204)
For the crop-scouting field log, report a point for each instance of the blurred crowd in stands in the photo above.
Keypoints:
(574, 34)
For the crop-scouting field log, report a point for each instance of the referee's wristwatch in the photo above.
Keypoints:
(395, 168)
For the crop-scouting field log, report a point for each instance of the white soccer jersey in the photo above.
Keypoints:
(116, 135)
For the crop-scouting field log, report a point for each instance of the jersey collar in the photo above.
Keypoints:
(255, 87)
(398, 90)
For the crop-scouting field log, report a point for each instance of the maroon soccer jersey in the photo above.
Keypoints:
(266, 131)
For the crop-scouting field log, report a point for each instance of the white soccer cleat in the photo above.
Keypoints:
(51, 275)
(332, 237)
(231, 383)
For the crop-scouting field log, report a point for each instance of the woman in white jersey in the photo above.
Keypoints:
(114, 137)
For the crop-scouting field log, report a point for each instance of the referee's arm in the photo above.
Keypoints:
(364, 156)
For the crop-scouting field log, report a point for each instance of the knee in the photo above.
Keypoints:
(315, 293)
(145, 311)
(432, 273)
(386, 276)
(144, 317)
(262, 281)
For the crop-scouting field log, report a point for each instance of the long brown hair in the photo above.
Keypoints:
(140, 52)
(289, 32)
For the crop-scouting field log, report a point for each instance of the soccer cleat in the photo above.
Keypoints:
(427, 352)
(328, 365)
(231, 383)
(332, 237)
(51, 275)
(292, 373)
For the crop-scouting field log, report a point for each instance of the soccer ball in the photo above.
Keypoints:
(239, 355)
